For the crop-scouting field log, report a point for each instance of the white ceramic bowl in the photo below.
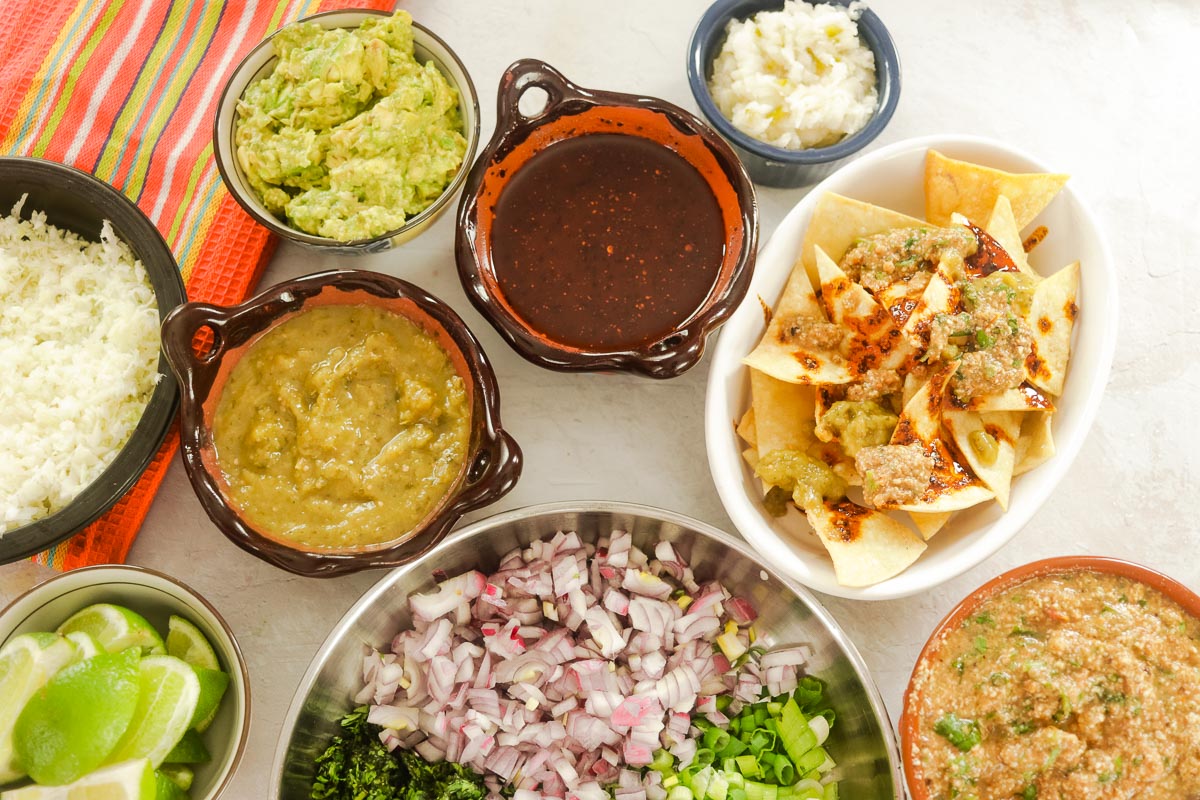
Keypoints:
(893, 177)
(156, 597)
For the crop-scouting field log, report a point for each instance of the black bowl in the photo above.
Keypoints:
(78, 202)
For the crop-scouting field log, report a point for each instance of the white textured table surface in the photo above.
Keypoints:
(1102, 89)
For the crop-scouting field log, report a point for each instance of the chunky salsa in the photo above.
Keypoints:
(1073, 686)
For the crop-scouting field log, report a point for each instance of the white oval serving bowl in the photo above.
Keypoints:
(893, 177)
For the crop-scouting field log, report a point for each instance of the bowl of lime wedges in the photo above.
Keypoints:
(118, 681)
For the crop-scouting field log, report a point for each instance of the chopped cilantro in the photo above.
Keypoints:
(356, 766)
(962, 733)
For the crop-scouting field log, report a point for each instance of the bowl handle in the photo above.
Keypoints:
(179, 331)
(493, 472)
(526, 74)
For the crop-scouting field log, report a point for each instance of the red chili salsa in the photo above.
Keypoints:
(607, 241)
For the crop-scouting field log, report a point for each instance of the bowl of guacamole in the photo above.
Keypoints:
(348, 129)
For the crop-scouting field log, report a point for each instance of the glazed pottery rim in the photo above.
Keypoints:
(225, 155)
(134, 457)
(137, 576)
(1169, 587)
(490, 468)
(875, 36)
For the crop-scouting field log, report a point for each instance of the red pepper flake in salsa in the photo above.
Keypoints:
(607, 241)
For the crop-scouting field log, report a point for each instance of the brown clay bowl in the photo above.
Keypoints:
(571, 111)
(909, 721)
(493, 463)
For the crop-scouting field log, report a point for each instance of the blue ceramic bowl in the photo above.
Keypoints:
(776, 166)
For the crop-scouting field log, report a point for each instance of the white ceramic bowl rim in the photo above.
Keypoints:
(727, 391)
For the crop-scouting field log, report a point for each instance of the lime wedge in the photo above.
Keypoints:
(166, 789)
(213, 684)
(179, 774)
(26, 663)
(72, 724)
(116, 628)
(88, 645)
(185, 641)
(132, 780)
(165, 706)
(190, 750)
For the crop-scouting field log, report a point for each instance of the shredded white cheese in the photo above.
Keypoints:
(798, 77)
(78, 352)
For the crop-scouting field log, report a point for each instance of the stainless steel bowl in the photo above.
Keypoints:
(862, 741)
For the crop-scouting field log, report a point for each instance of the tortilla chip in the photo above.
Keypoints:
(1051, 317)
(777, 357)
(951, 486)
(750, 456)
(746, 429)
(826, 396)
(971, 190)
(783, 413)
(876, 343)
(837, 221)
(930, 524)
(912, 385)
(866, 546)
(941, 296)
(1005, 428)
(1036, 445)
(901, 297)
(1002, 227)
(1025, 397)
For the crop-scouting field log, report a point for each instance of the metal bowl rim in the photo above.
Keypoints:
(504, 518)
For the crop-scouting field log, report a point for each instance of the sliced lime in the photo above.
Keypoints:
(72, 724)
(116, 628)
(165, 707)
(190, 750)
(185, 641)
(213, 684)
(88, 645)
(132, 780)
(26, 663)
(167, 789)
(179, 774)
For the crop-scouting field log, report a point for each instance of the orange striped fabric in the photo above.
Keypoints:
(126, 90)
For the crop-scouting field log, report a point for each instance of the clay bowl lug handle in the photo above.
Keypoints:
(526, 74)
(179, 331)
(493, 472)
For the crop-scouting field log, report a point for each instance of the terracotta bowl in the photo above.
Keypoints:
(571, 111)
(493, 463)
(1171, 588)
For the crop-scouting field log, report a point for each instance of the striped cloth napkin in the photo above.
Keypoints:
(126, 90)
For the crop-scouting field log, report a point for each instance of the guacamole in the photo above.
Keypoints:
(343, 426)
(350, 135)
